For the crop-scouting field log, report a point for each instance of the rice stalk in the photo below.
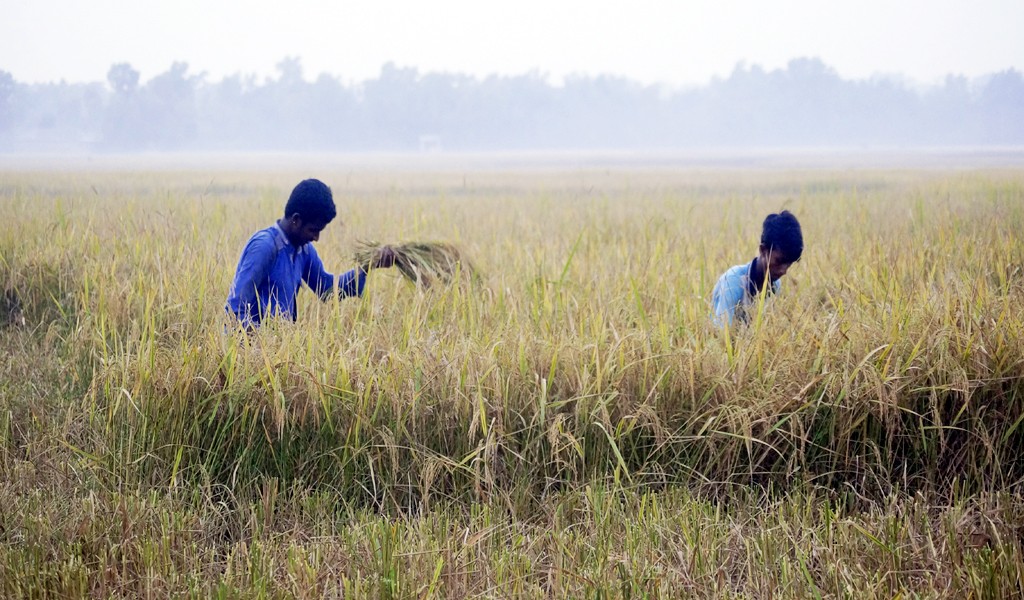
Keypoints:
(423, 263)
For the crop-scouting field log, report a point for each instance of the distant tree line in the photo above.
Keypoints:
(804, 104)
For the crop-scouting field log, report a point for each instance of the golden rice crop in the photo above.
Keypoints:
(572, 425)
(423, 263)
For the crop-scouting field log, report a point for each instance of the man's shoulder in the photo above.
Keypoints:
(267, 232)
(264, 238)
(734, 274)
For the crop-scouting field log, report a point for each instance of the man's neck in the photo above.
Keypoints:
(287, 234)
(757, 274)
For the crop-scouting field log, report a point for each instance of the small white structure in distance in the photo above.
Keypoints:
(430, 144)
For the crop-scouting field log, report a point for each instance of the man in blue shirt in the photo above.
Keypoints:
(782, 244)
(277, 260)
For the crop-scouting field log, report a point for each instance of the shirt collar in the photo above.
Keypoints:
(281, 239)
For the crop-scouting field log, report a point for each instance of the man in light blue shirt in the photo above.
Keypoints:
(782, 244)
(277, 260)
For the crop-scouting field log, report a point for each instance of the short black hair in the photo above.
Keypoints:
(781, 231)
(313, 201)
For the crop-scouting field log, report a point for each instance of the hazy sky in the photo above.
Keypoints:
(675, 42)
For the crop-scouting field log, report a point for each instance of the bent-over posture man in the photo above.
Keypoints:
(782, 243)
(277, 260)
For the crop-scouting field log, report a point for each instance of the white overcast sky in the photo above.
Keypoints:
(673, 42)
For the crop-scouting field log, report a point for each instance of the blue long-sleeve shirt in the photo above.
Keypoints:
(734, 293)
(270, 272)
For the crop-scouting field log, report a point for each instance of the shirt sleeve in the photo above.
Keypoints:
(321, 282)
(253, 267)
(351, 283)
(726, 296)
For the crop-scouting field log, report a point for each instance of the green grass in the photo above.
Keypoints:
(566, 424)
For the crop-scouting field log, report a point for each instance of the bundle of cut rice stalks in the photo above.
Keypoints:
(423, 263)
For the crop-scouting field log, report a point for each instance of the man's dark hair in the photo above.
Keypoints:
(313, 201)
(782, 232)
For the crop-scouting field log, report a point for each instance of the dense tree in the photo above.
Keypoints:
(806, 103)
(169, 108)
(123, 120)
(123, 79)
(1002, 104)
(7, 86)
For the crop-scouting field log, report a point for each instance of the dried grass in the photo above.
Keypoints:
(423, 263)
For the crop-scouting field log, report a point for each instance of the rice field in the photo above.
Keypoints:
(566, 423)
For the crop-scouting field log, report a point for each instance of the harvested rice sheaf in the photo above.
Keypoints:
(423, 263)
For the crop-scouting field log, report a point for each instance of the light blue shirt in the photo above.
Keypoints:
(733, 295)
(270, 272)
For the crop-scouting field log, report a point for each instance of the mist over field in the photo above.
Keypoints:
(567, 424)
(631, 300)
(804, 105)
